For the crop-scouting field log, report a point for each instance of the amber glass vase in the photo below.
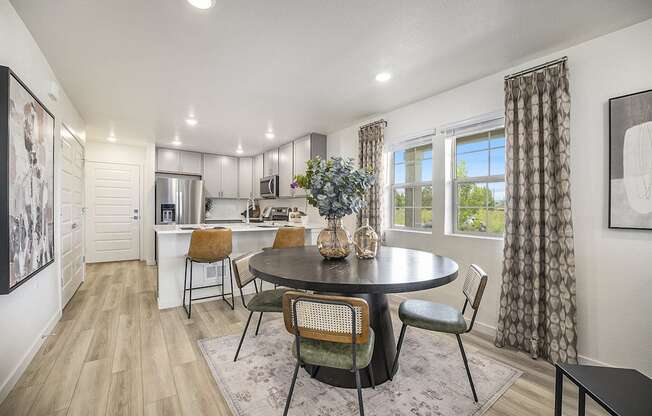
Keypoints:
(334, 241)
(365, 240)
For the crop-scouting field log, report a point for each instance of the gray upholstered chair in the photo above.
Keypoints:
(443, 318)
(262, 301)
(329, 331)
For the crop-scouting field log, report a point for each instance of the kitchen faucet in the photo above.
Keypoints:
(253, 205)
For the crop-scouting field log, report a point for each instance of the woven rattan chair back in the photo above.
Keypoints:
(474, 284)
(327, 318)
(243, 275)
(210, 246)
(288, 237)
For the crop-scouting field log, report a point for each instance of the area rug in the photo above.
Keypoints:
(431, 379)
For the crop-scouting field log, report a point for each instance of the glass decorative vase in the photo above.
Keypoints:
(334, 241)
(365, 240)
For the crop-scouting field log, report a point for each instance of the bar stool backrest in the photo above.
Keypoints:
(210, 245)
(327, 318)
(288, 237)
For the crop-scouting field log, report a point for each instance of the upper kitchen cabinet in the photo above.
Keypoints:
(245, 177)
(285, 169)
(259, 173)
(178, 161)
(270, 162)
(306, 148)
(220, 176)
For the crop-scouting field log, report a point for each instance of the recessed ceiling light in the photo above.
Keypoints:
(239, 150)
(202, 4)
(176, 142)
(270, 135)
(383, 77)
(111, 138)
(191, 121)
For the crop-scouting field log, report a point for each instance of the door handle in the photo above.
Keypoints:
(135, 217)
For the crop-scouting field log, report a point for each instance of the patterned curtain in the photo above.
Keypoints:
(370, 150)
(537, 302)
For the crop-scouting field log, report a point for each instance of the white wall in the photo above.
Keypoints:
(612, 266)
(144, 156)
(34, 308)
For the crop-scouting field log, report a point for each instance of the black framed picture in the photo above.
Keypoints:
(630, 161)
(26, 183)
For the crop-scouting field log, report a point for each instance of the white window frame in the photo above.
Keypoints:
(476, 179)
(411, 144)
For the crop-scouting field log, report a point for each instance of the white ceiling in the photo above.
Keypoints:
(138, 67)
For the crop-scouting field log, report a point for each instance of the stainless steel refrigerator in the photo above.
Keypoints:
(179, 201)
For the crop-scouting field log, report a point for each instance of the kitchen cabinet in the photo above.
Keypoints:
(245, 177)
(285, 170)
(259, 173)
(220, 176)
(178, 161)
(306, 148)
(270, 162)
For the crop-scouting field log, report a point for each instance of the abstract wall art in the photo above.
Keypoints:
(26, 183)
(630, 161)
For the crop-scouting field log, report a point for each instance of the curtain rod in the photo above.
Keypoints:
(381, 121)
(536, 68)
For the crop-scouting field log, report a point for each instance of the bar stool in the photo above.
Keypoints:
(208, 246)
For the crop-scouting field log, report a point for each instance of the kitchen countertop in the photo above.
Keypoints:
(236, 227)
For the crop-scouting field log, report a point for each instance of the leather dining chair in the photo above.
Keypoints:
(208, 246)
(443, 318)
(288, 237)
(262, 301)
(329, 331)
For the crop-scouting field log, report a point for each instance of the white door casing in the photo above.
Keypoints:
(72, 217)
(113, 214)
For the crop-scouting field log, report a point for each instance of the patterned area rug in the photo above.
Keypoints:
(431, 379)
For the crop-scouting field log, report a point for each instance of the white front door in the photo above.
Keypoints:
(113, 220)
(72, 216)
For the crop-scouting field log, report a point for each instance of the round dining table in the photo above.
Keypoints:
(394, 270)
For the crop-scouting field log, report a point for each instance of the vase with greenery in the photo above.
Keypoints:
(336, 188)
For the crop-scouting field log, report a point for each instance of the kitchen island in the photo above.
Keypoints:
(172, 242)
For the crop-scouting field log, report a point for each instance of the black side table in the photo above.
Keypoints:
(620, 391)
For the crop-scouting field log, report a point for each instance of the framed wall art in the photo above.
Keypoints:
(26, 183)
(630, 161)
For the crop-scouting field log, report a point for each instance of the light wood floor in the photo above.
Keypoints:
(115, 353)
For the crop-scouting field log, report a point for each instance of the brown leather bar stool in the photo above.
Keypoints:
(208, 246)
(287, 237)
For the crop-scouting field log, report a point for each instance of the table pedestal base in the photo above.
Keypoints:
(384, 348)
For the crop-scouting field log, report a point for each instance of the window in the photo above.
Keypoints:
(412, 188)
(479, 183)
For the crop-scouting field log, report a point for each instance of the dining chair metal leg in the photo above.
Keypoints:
(260, 318)
(398, 350)
(370, 373)
(466, 364)
(294, 379)
(243, 336)
(358, 385)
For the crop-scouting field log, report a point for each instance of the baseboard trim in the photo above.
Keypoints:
(18, 371)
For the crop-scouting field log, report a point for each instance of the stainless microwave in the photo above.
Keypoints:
(269, 187)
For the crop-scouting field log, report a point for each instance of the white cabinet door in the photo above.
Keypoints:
(259, 172)
(190, 163)
(301, 156)
(229, 177)
(285, 172)
(167, 160)
(212, 176)
(271, 162)
(245, 177)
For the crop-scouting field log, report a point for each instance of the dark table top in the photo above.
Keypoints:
(623, 391)
(393, 270)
